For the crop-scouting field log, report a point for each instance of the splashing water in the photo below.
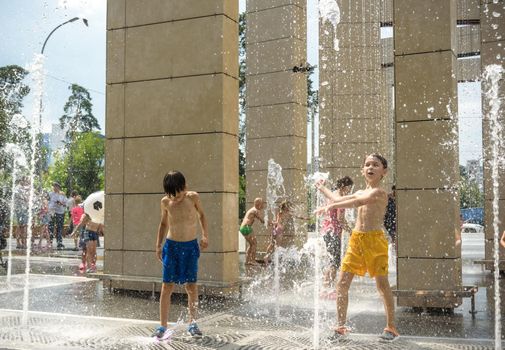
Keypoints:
(37, 73)
(18, 161)
(329, 11)
(275, 188)
(493, 74)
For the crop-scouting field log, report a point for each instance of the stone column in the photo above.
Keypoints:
(429, 258)
(351, 90)
(276, 101)
(172, 100)
(492, 52)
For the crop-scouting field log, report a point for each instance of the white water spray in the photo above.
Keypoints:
(492, 75)
(37, 73)
(330, 12)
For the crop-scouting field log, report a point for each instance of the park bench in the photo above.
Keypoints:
(465, 292)
(204, 286)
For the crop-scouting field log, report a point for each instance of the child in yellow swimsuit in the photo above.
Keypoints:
(368, 246)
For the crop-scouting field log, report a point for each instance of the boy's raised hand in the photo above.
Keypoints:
(320, 211)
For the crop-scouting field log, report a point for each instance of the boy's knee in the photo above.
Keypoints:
(191, 288)
(167, 288)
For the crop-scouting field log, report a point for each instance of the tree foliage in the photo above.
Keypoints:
(242, 118)
(86, 160)
(78, 115)
(470, 194)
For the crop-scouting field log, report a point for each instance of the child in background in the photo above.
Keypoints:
(75, 215)
(44, 219)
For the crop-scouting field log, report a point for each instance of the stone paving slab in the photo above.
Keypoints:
(223, 331)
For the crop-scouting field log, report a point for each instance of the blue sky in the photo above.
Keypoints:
(76, 54)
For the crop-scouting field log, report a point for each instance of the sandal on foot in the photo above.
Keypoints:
(389, 335)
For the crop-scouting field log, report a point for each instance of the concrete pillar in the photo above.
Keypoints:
(351, 89)
(492, 52)
(172, 99)
(276, 101)
(429, 257)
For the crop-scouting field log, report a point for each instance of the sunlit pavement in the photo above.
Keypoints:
(71, 311)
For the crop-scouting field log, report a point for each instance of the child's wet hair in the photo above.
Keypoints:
(78, 199)
(285, 205)
(174, 182)
(344, 182)
(379, 157)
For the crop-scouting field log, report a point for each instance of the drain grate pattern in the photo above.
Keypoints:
(223, 331)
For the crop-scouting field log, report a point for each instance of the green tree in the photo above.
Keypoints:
(78, 118)
(470, 194)
(87, 157)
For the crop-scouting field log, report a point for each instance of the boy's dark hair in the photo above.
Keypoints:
(344, 182)
(174, 182)
(380, 158)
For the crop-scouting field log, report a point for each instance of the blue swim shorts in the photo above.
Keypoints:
(180, 261)
(90, 236)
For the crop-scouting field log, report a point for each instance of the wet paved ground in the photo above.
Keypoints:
(70, 311)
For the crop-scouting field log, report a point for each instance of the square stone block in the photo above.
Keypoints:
(222, 267)
(489, 250)
(468, 39)
(141, 12)
(351, 154)
(276, 88)
(327, 36)
(424, 26)
(469, 69)
(141, 263)
(468, 9)
(350, 107)
(356, 130)
(116, 14)
(428, 224)
(142, 218)
(272, 121)
(354, 34)
(360, 11)
(115, 69)
(387, 51)
(492, 53)
(359, 81)
(492, 22)
(201, 45)
(113, 262)
(427, 154)
(290, 152)
(295, 188)
(429, 274)
(258, 5)
(426, 86)
(201, 104)
(114, 221)
(148, 159)
(275, 55)
(276, 23)
(114, 166)
(115, 102)
(489, 218)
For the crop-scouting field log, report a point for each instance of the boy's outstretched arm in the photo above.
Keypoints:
(330, 195)
(204, 241)
(162, 228)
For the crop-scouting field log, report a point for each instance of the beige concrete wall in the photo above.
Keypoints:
(172, 98)
(427, 149)
(492, 19)
(276, 102)
(352, 92)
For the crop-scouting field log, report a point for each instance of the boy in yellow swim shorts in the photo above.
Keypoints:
(368, 246)
(256, 212)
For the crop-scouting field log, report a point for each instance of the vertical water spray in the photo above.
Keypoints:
(492, 75)
(329, 11)
(37, 73)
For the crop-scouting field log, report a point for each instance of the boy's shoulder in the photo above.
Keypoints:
(192, 195)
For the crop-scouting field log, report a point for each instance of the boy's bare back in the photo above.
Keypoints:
(180, 214)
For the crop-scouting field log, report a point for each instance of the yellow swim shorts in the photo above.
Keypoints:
(367, 252)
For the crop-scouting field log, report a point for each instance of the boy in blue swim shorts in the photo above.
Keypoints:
(181, 211)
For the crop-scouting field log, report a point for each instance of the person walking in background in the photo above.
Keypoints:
(57, 207)
(44, 219)
(70, 205)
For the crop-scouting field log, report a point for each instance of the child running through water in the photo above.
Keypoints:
(181, 210)
(368, 246)
(283, 219)
(256, 212)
